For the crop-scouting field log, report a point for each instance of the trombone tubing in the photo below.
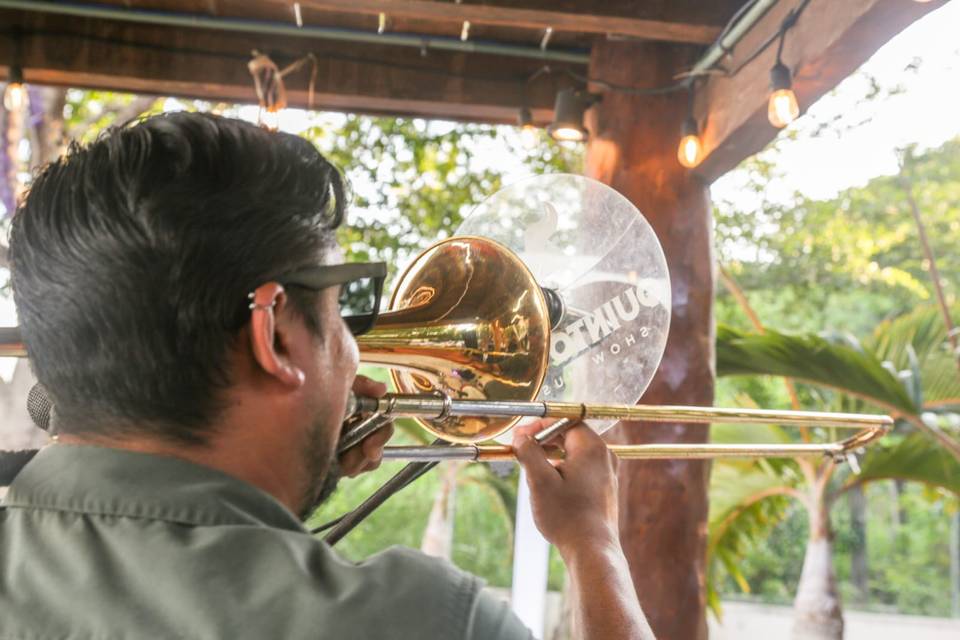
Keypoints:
(871, 428)
(435, 407)
(837, 451)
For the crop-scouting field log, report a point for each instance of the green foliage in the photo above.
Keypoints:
(413, 181)
(770, 560)
(401, 521)
(88, 112)
(928, 357)
(914, 457)
(851, 265)
(908, 559)
(746, 500)
(889, 369)
(812, 359)
(849, 261)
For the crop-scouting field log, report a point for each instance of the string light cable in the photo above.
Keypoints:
(685, 80)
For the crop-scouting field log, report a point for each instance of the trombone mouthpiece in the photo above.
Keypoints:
(352, 406)
(357, 405)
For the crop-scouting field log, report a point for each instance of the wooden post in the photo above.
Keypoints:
(663, 504)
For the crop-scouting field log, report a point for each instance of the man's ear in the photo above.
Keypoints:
(270, 346)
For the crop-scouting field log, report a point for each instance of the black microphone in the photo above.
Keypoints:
(40, 406)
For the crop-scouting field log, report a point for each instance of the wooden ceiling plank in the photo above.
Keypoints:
(521, 17)
(326, 100)
(350, 78)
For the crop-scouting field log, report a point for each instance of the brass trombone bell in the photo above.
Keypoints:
(468, 320)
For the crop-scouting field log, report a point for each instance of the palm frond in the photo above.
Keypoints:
(814, 360)
(923, 331)
(746, 500)
(915, 458)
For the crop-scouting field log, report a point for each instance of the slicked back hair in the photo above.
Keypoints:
(132, 258)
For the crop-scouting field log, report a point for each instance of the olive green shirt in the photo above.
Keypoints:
(104, 543)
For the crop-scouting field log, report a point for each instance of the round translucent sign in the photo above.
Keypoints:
(588, 245)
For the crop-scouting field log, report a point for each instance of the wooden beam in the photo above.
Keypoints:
(212, 65)
(828, 43)
(663, 503)
(584, 21)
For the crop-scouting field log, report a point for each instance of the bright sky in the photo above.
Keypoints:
(926, 114)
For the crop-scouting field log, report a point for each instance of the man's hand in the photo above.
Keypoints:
(575, 507)
(367, 455)
(575, 500)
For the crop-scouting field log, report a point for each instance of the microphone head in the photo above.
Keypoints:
(40, 406)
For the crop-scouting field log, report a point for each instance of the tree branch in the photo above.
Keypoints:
(907, 183)
(741, 298)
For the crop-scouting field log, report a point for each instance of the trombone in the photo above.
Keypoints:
(467, 342)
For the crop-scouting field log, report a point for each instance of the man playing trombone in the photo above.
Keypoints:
(179, 291)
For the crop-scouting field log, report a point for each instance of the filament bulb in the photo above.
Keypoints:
(15, 96)
(783, 108)
(690, 151)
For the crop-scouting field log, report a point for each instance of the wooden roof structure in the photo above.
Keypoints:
(412, 60)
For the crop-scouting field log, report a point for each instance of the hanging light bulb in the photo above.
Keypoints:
(690, 151)
(567, 125)
(782, 108)
(15, 95)
(528, 130)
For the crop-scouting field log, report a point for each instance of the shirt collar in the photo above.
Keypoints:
(115, 482)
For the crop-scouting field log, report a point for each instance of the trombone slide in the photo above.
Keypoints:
(439, 408)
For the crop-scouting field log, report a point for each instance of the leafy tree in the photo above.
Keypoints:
(901, 368)
(847, 262)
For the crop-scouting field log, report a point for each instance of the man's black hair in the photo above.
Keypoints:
(132, 258)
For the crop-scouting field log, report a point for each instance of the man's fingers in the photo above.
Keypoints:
(532, 428)
(364, 386)
(581, 440)
(367, 455)
(534, 460)
(374, 443)
(352, 462)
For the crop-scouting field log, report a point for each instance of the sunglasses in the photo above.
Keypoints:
(361, 287)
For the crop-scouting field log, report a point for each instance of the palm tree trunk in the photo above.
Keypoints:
(859, 571)
(817, 612)
(438, 537)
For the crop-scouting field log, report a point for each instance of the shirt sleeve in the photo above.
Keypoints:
(492, 619)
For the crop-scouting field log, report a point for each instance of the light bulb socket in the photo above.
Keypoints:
(690, 127)
(780, 77)
(568, 113)
(525, 117)
(16, 75)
